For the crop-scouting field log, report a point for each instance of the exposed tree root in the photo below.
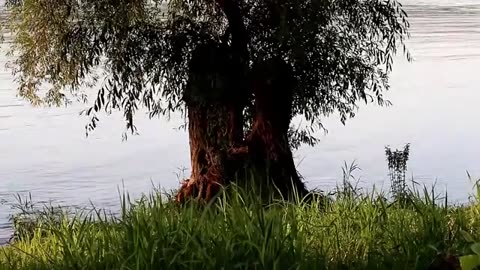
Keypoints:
(198, 189)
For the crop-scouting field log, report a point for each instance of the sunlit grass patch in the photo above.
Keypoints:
(346, 231)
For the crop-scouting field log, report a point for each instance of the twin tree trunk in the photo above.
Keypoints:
(216, 96)
(219, 150)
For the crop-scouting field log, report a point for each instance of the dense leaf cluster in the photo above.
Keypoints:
(341, 51)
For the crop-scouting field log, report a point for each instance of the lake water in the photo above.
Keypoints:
(435, 108)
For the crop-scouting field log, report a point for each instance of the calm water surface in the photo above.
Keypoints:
(436, 108)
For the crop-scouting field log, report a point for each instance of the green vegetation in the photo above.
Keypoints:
(235, 231)
(471, 262)
(239, 70)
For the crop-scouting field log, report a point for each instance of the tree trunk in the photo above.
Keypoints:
(216, 97)
(207, 153)
(268, 144)
(215, 121)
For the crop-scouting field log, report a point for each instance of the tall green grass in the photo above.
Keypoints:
(347, 231)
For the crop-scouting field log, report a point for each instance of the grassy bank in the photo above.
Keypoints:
(348, 231)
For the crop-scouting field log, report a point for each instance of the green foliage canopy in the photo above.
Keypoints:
(341, 51)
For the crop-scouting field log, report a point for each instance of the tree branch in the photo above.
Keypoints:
(231, 8)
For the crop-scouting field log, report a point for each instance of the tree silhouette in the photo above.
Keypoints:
(240, 69)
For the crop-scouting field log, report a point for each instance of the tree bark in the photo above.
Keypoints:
(238, 92)
(207, 152)
(216, 96)
(268, 144)
(215, 120)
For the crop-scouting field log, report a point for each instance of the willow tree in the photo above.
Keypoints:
(239, 69)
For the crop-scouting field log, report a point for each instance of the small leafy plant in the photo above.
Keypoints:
(397, 166)
(471, 262)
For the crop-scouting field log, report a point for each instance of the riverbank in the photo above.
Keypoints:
(347, 231)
